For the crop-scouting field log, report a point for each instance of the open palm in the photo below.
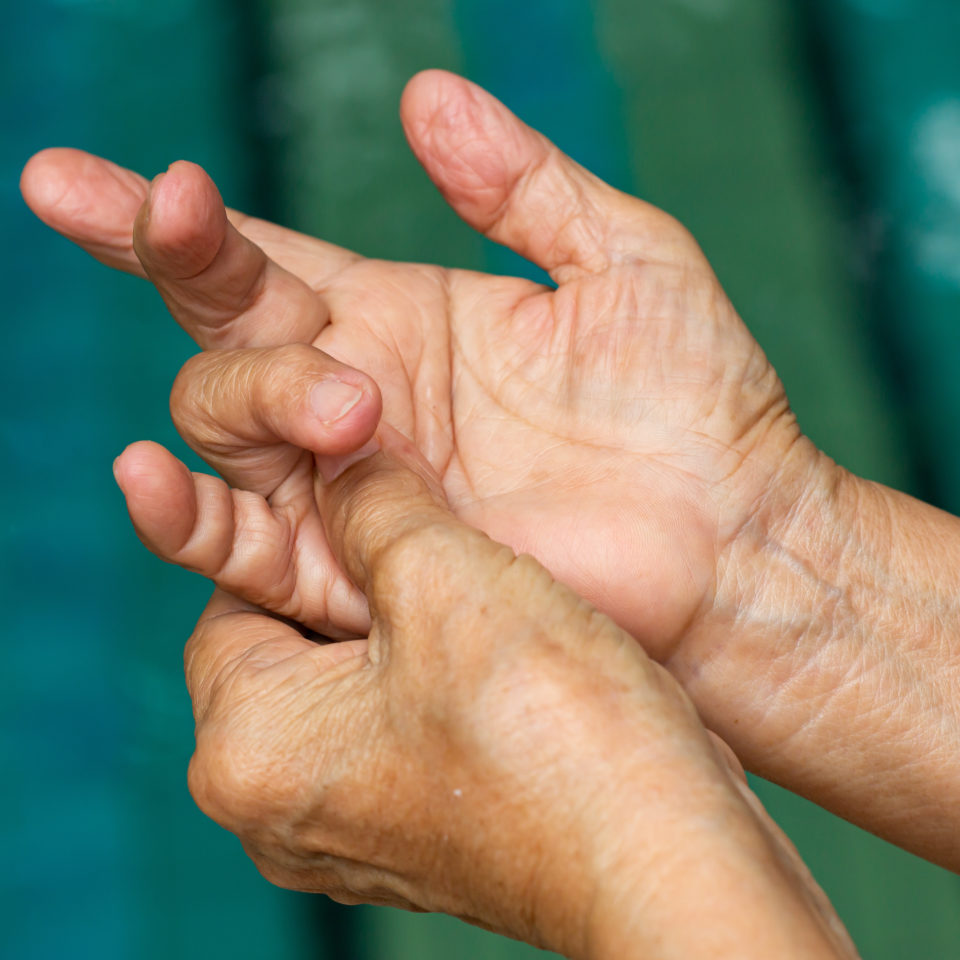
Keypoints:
(623, 427)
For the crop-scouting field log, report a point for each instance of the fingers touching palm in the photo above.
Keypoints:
(620, 427)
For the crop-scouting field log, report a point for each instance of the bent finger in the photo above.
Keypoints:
(251, 413)
(220, 286)
(95, 203)
(237, 540)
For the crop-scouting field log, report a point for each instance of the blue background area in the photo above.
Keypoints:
(815, 150)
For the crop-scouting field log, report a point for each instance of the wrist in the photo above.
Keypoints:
(825, 659)
(692, 867)
(771, 611)
(655, 849)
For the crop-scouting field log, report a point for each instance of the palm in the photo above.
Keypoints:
(620, 428)
(594, 426)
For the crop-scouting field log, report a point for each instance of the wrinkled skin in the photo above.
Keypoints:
(623, 428)
(494, 749)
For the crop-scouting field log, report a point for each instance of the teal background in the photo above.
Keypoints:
(812, 147)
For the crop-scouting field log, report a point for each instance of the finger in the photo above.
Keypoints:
(95, 203)
(509, 182)
(91, 201)
(251, 413)
(387, 499)
(238, 540)
(220, 286)
(233, 638)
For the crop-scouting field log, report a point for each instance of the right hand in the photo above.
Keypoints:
(494, 749)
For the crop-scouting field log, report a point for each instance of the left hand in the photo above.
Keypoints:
(494, 749)
(624, 428)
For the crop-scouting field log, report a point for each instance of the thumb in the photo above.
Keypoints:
(386, 505)
(510, 183)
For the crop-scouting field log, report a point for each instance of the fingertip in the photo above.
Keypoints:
(127, 466)
(41, 180)
(344, 412)
(90, 200)
(438, 107)
(470, 144)
(182, 225)
(141, 462)
(427, 88)
(160, 494)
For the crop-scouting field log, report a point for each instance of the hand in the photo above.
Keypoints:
(623, 428)
(494, 749)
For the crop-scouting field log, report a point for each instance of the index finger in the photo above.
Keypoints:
(227, 635)
(233, 639)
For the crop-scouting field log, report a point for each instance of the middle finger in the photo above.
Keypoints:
(219, 285)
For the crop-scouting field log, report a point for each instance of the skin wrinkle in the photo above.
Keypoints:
(197, 533)
(866, 678)
(690, 329)
(256, 281)
(546, 178)
(449, 420)
(422, 385)
(215, 682)
(299, 565)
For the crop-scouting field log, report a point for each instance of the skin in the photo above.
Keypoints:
(634, 379)
(488, 733)
(625, 429)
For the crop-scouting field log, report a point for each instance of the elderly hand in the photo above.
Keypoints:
(624, 428)
(494, 749)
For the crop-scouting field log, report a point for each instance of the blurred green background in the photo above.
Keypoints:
(814, 149)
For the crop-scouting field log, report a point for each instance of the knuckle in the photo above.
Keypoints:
(190, 375)
(378, 506)
(234, 782)
(259, 565)
(293, 357)
(425, 559)
(522, 576)
(276, 378)
(278, 875)
(196, 391)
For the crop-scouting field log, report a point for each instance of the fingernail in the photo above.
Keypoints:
(331, 467)
(333, 399)
(116, 472)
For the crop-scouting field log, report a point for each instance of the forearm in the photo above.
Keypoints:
(831, 659)
(692, 867)
(717, 901)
